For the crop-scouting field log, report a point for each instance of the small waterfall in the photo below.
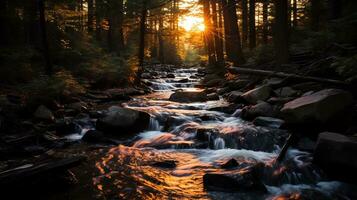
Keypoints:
(154, 124)
(219, 143)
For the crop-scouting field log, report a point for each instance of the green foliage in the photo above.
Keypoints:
(60, 87)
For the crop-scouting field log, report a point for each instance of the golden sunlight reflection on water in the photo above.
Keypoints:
(127, 172)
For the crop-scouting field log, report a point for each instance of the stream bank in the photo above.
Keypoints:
(184, 142)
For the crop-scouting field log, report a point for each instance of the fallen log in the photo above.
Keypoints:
(29, 171)
(259, 72)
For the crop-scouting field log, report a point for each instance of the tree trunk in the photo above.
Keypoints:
(257, 72)
(90, 16)
(208, 33)
(98, 20)
(141, 55)
(115, 33)
(244, 23)
(335, 9)
(281, 32)
(265, 21)
(252, 32)
(234, 35)
(295, 13)
(46, 53)
(217, 35)
(315, 14)
(161, 41)
(227, 30)
(31, 22)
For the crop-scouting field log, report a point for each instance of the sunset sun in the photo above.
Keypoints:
(192, 23)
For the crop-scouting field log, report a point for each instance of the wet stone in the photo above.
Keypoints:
(169, 164)
(230, 164)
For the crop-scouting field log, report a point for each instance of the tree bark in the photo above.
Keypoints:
(217, 35)
(46, 53)
(234, 35)
(295, 22)
(335, 9)
(265, 21)
(141, 55)
(240, 70)
(281, 32)
(115, 33)
(227, 41)
(315, 14)
(31, 22)
(244, 23)
(90, 16)
(98, 20)
(161, 41)
(252, 32)
(208, 33)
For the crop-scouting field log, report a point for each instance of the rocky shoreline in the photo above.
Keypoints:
(310, 111)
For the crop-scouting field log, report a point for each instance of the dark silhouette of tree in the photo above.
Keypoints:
(281, 31)
(252, 31)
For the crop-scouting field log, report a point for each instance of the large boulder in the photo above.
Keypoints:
(335, 154)
(188, 97)
(120, 120)
(261, 93)
(317, 107)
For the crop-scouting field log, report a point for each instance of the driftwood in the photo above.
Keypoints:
(37, 170)
(239, 70)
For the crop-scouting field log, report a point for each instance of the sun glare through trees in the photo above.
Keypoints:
(178, 99)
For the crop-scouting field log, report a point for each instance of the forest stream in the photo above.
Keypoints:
(189, 150)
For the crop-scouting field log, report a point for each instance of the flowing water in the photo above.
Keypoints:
(184, 141)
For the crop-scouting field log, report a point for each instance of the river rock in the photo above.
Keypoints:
(185, 80)
(260, 109)
(188, 97)
(274, 82)
(65, 127)
(222, 91)
(123, 120)
(212, 97)
(233, 181)
(237, 84)
(235, 97)
(170, 76)
(78, 106)
(43, 113)
(286, 92)
(317, 107)
(229, 109)
(214, 82)
(93, 136)
(231, 163)
(146, 76)
(335, 154)
(250, 137)
(168, 164)
(261, 93)
(268, 122)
